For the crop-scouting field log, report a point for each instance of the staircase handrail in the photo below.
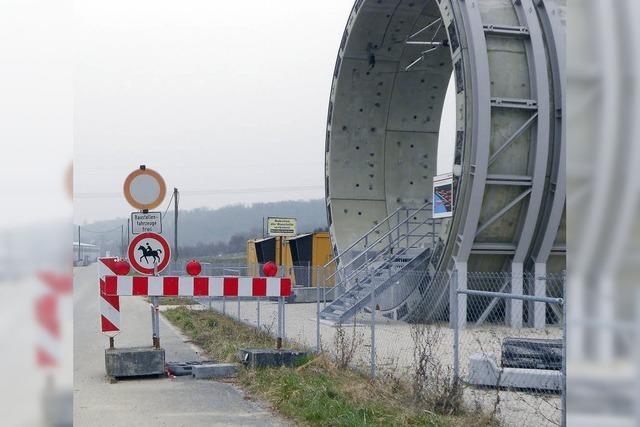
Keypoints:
(364, 236)
(382, 252)
(403, 222)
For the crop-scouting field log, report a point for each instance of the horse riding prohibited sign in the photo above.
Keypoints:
(149, 250)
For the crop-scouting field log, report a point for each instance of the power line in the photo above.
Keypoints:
(250, 190)
(166, 210)
(212, 192)
(101, 231)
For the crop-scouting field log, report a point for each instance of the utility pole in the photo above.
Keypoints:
(128, 233)
(79, 255)
(175, 224)
(122, 240)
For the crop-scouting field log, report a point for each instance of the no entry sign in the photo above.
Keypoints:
(144, 188)
(147, 250)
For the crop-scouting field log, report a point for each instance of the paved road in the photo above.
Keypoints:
(145, 402)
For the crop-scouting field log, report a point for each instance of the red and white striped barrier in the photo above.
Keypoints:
(109, 304)
(112, 287)
(167, 286)
(47, 314)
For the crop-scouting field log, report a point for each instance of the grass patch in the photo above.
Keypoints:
(175, 301)
(318, 392)
(320, 395)
(219, 336)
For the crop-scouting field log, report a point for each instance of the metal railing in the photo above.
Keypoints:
(337, 257)
(389, 242)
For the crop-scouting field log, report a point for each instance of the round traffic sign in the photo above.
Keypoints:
(144, 188)
(147, 250)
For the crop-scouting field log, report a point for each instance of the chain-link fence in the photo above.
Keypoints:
(509, 348)
(503, 353)
(498, 351)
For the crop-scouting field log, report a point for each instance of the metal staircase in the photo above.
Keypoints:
(377, 260)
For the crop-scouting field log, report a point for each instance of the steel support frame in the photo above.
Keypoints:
(538, 75)
(557, 186)
(481, 127)
(435, 45)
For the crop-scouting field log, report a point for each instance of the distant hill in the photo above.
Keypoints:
(203, 227)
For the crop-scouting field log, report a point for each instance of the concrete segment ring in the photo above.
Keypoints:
(383, 124)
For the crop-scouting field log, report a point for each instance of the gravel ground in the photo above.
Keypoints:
(146, 402)
(394, 348)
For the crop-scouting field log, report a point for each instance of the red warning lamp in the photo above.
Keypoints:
(122, 267)
(194, 267)
(270, 269)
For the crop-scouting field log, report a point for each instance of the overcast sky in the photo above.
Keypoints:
(36, 110)
(226, 99)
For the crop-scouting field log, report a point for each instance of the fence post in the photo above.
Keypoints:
(318, 311)
(373, 325)
(563, 397)
(238, 308)
(460, 300)
(456, 327)
(224, 306)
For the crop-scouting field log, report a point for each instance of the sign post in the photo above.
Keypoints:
(148, 252)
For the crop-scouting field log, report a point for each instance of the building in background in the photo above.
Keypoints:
(85, 253)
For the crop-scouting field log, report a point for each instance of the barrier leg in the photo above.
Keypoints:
(155, 321)
(279, 339)
(258, 312)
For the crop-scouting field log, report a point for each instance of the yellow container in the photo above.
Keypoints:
(302, 256)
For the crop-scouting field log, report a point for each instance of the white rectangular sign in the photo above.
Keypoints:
(281, 226)
(443, 196)
(150, 222)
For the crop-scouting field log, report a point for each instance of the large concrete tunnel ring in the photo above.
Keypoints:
(393, 67)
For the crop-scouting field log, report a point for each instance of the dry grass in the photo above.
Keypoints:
(219, 336)
(319, 392)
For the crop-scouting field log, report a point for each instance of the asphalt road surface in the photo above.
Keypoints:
(146, 402)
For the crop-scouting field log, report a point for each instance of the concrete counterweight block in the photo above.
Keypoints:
(134, 361)
(484, 371)
(215, 370)
(269, 358)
